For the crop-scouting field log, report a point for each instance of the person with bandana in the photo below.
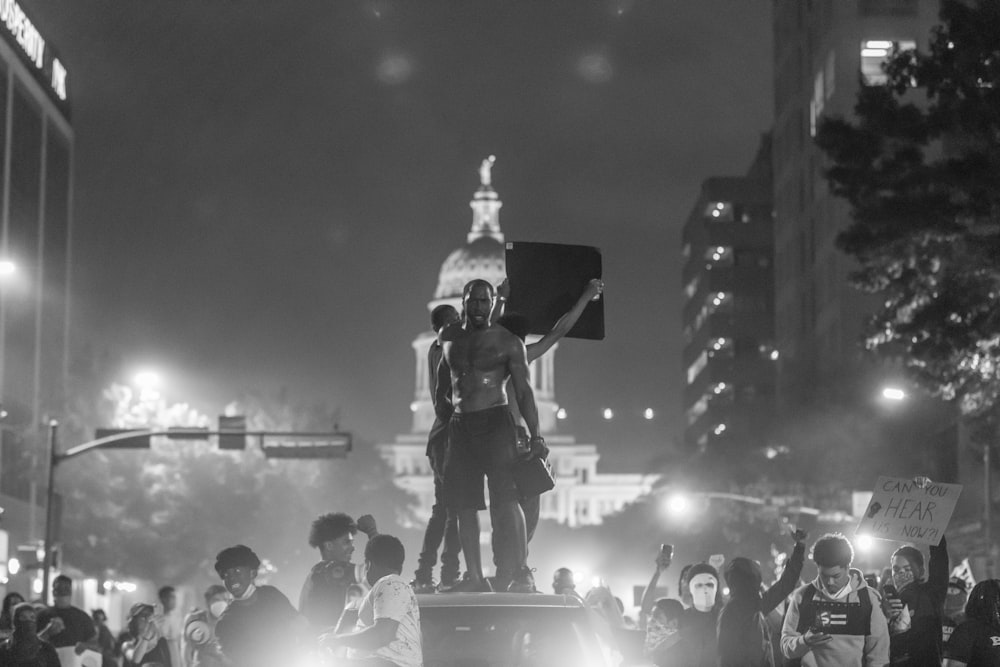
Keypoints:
(744, 636)
(976, 642)
(954, 607)
(923, 601)
(201, 646)
(698, 623)
(663, 646)
(835, 620)
(24, 648)
(260, 627)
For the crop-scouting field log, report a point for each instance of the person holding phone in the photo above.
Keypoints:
(921, 596)
(835, 620)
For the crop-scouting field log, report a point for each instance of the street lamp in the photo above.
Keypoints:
(893, 394)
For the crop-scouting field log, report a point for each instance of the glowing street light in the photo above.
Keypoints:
(609, 413)
(648, 414)
(678, 504)
(147, 379)
(864, 543)
(893, 394)
(7, 267)
(561, 413)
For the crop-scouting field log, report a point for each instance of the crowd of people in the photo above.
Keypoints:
(909, 615)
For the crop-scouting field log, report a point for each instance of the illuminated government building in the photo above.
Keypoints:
(582, 495)
(36, 184)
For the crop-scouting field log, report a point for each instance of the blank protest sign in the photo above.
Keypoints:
(902, 510)
(546, 279)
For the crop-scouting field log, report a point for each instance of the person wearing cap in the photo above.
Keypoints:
(954, 607)
(260, 627)
(148, 647)
(744, 636)
(923, 594)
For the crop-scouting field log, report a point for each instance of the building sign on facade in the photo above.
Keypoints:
(19, 31)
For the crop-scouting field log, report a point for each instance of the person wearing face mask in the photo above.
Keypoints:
(954, 607)
(24, 648)
(260, 627)
(744, 636)
(663, 646)
(698, 624)
(387, 631)
(835, 620)
(148, 647)
(201, 647)
(923, 600)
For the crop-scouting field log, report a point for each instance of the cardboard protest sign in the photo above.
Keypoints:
(906, 511)
(546, 279)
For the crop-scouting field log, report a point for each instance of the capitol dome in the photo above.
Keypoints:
(481, 258)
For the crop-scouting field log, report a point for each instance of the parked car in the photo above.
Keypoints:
(510, 630)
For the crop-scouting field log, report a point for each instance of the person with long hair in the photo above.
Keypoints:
(10, 601)
(976, 642)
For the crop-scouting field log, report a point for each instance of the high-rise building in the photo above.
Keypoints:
(823, 49)
(728, 318)
(582, 495)
(36, 185)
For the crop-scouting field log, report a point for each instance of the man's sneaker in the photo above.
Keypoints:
(469, 585)
(423, 585)
(523, 581)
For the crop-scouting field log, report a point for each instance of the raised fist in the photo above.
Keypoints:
(366, 524)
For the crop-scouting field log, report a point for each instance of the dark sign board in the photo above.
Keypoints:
(20, 32)
(546, 279)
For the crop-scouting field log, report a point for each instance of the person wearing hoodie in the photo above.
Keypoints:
(954, 607)
(836, 620)
(919, 645)
(744, 636)
(698, 624)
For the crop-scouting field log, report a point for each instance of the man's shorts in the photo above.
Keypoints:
(480, 443)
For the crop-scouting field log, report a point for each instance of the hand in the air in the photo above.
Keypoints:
(366, 524)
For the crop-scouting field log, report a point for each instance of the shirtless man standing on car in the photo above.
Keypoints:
(478, 357)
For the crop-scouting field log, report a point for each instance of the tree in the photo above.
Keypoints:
(162, 514)
(922, 177)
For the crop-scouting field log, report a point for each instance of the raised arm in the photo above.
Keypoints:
(566, 322)
(789, 579)
(938, 570)
(649, 595)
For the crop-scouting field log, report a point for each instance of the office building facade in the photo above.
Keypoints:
(728, 318)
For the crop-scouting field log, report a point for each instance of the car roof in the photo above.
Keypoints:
(497, 600)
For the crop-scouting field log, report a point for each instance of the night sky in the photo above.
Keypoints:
(265, 190)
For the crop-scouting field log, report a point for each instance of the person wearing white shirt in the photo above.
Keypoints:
(388, 628)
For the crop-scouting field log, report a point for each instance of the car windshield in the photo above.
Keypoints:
(507, 637)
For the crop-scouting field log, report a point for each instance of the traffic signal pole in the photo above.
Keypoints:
(305, 445)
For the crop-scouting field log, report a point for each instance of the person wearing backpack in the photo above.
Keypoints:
(835, 620)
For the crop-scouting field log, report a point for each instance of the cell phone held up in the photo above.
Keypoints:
(666, 551)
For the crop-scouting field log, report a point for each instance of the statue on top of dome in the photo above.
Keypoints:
(485, 177)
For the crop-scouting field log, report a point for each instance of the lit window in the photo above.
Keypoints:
(874, 53)
(719, 211)
(691, 287)
(719, 254)
(697, 367)
(697, 410)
